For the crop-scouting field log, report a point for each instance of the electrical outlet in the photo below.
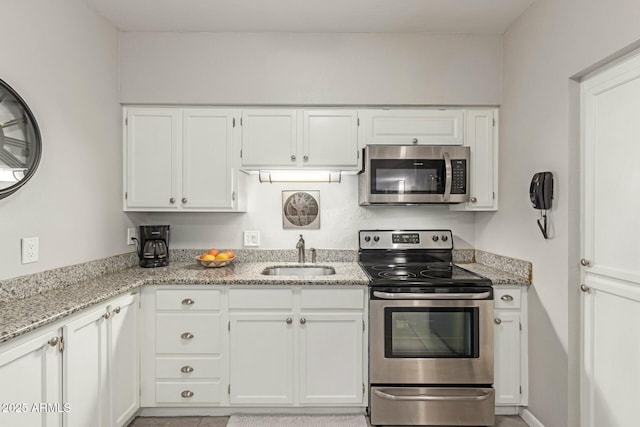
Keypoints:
(131, 234)
(29, 249)
(252, 238)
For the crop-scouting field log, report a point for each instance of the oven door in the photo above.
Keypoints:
(433, 337)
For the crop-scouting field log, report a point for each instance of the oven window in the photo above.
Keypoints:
(431, 332)
(407, 176)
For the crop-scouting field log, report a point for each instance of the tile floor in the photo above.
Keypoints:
(501, 421)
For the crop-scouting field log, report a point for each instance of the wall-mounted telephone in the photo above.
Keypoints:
(541, 195)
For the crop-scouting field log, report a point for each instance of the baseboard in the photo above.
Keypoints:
(237, 410)
(530, 419)
(507, 410)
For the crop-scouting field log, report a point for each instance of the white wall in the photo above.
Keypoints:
(340, 219)
(551, 42)
(299, 68)
(62, 58)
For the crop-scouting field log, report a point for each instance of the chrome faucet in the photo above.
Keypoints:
(300, 248)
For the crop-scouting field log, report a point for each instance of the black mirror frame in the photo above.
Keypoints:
(37, 149)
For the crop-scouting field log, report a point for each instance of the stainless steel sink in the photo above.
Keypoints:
(299, 270)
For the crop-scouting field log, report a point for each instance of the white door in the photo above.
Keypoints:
(269, 138)
(330, 355)
(611, 254)
(30, 374)
(152, 157)
(506, 357)
(85, 382)
(123, 359)
(207, 159)
(330, 138)
(261, 358)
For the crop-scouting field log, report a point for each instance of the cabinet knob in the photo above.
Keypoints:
(584, 288)
(106, 315)
(186, 369)
(293, 157)
(289, 320)
(53, 341)
(473, 200)
(187, 393)
(305, 158)
(585, 262)
(184, 200)
(186, 336)
(507, 298)
(303, 320)
(497, 321)
(233, 196)
(188, 301)
(172, 200)
(117, 310)
(414, 140)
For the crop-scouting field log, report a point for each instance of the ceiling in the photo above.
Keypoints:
(325, 16)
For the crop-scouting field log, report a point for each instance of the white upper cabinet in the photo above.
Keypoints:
(406, 127)
(292, 139)
(482, 138)
(182, 160)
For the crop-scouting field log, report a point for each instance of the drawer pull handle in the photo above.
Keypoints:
(187, 393)
(507, 298)
(497, 321)
(188, 301)
(186, 336)
(186, 369)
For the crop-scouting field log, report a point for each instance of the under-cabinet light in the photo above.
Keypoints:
(299, 176)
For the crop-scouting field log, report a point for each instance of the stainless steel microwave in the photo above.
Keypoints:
(414, 174)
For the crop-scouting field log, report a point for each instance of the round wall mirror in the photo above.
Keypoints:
(20, 142)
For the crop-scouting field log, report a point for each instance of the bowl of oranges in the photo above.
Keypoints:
(216, 258)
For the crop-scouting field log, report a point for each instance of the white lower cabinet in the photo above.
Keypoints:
(30, 376)
(100, 381)
(297, 346)
(510, 349)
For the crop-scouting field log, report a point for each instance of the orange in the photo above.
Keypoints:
(230, 254)
(222, 257)
(213, 252)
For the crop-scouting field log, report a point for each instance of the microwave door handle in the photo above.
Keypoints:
(447, 177)
(390, 295)
(388, 396)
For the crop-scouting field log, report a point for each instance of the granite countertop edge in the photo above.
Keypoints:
(21, 316)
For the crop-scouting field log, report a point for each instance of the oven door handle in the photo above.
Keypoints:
(482, 396)
(390, 295)
(448, 176)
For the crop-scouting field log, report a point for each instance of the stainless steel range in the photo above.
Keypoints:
(431, 332)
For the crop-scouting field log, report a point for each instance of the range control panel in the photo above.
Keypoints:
(406, 239)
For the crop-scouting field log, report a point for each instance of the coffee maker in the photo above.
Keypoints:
(153, 246)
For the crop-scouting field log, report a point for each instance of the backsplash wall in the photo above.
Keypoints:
(340, 219)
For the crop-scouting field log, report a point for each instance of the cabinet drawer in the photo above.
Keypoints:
(332, 298)
(172, 392)
(188, 367)
(275, 299)
(506, 298)
(187, 333)
(187, 299)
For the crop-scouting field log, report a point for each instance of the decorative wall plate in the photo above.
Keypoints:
(20, 143)
(301, 209)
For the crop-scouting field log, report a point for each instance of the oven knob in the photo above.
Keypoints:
(434, 238)
(444, 238)
(367, 239)
(376, 238)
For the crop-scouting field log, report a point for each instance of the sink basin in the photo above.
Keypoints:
(301, 270)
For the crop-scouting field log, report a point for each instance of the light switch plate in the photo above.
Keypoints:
(131, 233)
(30, 249)
(252, 238)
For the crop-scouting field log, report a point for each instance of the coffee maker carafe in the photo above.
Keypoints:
(153, 246)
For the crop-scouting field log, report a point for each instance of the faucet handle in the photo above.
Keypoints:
(313, 254)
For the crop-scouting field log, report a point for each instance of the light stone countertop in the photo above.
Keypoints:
(498, 277)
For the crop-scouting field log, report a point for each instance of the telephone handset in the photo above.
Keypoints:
(541, 195)
(541, 190)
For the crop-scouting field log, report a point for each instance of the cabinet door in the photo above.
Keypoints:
(152, 157)
(331, 358)
(507, 357)
(207, 159)
(85, 382)
(406, 127)
(123, 358)
(261, 355)
(269, 138)
(30, 374)
(330, 138)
